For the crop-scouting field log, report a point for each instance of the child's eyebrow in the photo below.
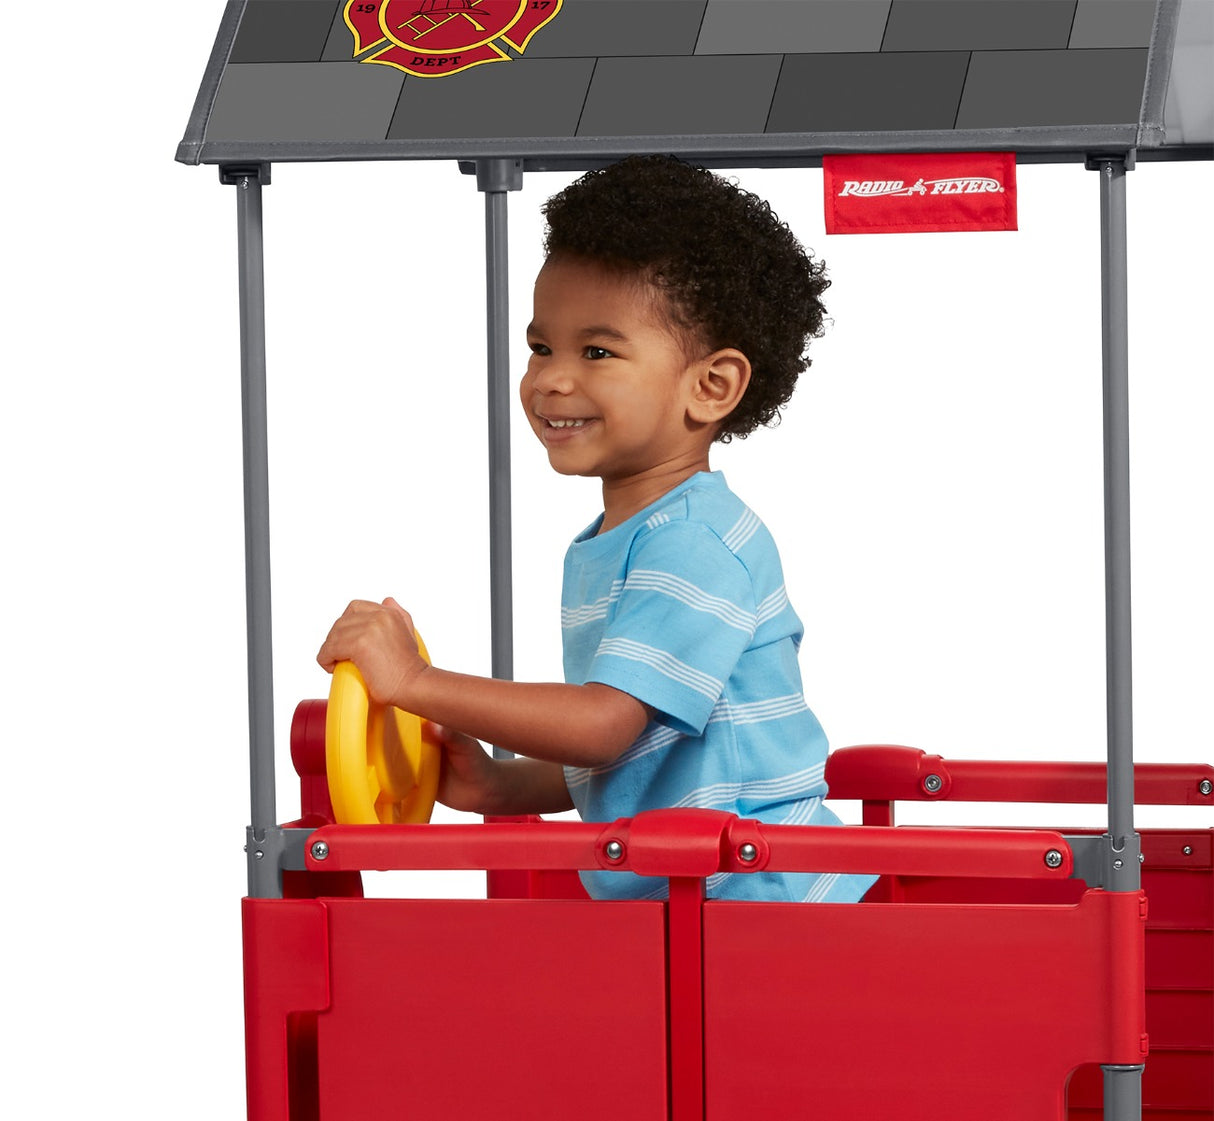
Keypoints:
(596, 331)
(603, 332)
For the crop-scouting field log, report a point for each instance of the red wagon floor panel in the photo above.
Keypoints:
(495, 1009)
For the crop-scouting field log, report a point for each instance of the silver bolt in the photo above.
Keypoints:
(1118, 864)
(1188, 850)
(320, 850)
(614, 850)
(748, 853)
(1141, 858)
(933, 783)
(1205, 786)
(1053, 859)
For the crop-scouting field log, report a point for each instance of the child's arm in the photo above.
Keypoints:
(581, 725)
(471, 780)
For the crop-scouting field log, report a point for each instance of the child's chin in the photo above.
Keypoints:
(570, 469)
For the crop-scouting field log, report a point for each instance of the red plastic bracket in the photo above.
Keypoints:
(687, 842)
(890, 773)
(887, 772)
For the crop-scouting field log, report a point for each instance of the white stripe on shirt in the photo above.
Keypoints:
(743, 530)
(772, 605)
(588, 613)
(821, 888)
(803, 813)
(666, 583)
(666, 664)
(773, 790)
(657, 737)
(756, 712)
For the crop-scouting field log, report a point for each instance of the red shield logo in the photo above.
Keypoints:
(433, 38)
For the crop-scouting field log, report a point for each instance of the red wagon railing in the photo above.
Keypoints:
(981, 977)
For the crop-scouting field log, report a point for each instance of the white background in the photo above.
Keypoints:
(935, 487)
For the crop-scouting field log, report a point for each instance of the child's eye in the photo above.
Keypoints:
(540, 349)
(597, 352)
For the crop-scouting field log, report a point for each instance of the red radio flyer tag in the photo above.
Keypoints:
(899, 194)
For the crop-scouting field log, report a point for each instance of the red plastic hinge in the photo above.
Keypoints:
(746, 849)
(667, 842)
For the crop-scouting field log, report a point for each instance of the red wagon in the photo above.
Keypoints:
(996, 973)
(983, 975)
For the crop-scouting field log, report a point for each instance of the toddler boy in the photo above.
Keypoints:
(672, 311)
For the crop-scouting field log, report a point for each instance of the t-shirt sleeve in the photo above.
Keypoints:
(684, 617)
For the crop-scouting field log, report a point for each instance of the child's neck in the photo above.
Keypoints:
(624, 497)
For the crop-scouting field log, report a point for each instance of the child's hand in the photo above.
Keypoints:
(379, 639)
(466, 779)
(472, 780)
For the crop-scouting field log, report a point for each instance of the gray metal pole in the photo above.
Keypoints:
(1123, 1093)
(264, 880)
(1124, 872)
(1122, 1084)
(495, 178)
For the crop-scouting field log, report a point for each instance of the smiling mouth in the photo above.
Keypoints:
(556, 432)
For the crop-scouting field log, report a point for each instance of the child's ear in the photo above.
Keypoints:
(721, 380)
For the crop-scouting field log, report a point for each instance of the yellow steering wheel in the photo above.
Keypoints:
(381, 766)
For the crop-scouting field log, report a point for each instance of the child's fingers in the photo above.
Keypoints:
(450, 737)
(338, 643)
(391, 605)
(359, 617)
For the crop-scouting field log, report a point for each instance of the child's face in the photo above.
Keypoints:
(608, 382)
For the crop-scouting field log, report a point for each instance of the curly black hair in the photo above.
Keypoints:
(732, 273)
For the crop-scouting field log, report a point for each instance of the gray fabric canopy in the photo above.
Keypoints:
(567, 82)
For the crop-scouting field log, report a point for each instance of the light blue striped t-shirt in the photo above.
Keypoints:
(683, 607)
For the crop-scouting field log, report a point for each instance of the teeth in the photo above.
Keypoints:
(566, 423)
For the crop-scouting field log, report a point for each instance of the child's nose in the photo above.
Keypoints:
(551, 376)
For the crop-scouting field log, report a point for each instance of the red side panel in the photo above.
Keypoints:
(494, 1009)
(923, 1011)
(286, 980)
(1178, 877)
(1178, 1082)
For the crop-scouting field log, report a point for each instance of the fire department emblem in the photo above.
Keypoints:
(433, 38)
